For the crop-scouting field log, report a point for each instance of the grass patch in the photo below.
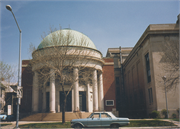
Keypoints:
(5, 124)
(47, 125)
(176, 119)
(149, 123)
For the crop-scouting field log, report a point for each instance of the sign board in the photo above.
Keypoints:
(9, 110)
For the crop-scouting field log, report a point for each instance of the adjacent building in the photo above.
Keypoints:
(8, 97)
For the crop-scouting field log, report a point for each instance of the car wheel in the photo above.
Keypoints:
(114, 126)
(78, 126)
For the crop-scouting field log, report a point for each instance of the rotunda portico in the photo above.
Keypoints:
(74, 56)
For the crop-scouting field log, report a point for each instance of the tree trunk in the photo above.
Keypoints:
(63, 110)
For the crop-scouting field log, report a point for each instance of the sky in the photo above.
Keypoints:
(108, 23)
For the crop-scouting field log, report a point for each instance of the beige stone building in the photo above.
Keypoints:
(144, 68)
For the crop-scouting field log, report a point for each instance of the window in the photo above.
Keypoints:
(95, 115)
(48, 84)
(150, 96)
(109, 102)
(148, 68)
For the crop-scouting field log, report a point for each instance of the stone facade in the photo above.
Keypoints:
(143, 71)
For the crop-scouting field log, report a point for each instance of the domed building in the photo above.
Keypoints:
(67, 59)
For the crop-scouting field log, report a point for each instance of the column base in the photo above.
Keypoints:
(52, 112)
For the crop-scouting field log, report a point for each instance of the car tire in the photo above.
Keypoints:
(78, 126)
(114, 126)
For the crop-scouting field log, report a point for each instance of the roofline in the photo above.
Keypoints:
(167, 28)
(69, 46)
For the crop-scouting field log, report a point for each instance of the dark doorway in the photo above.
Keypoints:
(82, 100)
(68, 101)
(47, 101)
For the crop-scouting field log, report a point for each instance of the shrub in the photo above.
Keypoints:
(154, 114)
(173, 115)
(178, 110)
(164, 112)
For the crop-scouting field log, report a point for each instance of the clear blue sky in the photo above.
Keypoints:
(109, 24)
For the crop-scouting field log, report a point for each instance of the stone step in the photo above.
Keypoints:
(55, 116)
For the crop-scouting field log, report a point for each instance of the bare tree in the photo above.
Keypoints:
(7, 72)
(62, 53)
(171, 58)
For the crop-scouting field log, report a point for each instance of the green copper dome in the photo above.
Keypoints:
(60, 38)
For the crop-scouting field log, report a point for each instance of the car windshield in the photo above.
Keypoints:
(112, 115)
(105, 115)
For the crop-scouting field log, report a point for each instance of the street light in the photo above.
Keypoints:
(8, 7)
(164, 78)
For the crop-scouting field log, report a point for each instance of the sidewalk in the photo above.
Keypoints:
(13, 123)
(28, 122)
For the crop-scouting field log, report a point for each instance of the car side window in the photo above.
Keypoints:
(104, 115)
(96, 115)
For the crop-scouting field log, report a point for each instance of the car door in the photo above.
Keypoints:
(105, 119)
(94, 120)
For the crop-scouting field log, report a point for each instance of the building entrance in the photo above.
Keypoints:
(82, 100)
(68, 101)
(47, 101)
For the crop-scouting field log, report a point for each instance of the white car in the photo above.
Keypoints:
(100, 119)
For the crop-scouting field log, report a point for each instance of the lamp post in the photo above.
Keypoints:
(164, 78)
(8, 7)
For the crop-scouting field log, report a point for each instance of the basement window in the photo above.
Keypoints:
(109, 102)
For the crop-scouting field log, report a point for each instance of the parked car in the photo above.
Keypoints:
(100, 119)
(3, 116)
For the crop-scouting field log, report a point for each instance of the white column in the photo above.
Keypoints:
(76, 89)
(35, 94)
(95, 91)
(87, 98)
(52, 99)
(44, 98)
(101, 96)
(73, 99)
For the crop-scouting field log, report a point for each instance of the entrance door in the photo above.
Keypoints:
(47, 101)
(82, 100)
(68, 101)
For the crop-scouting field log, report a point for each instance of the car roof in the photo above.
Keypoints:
(109, 113)
(101, 112)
